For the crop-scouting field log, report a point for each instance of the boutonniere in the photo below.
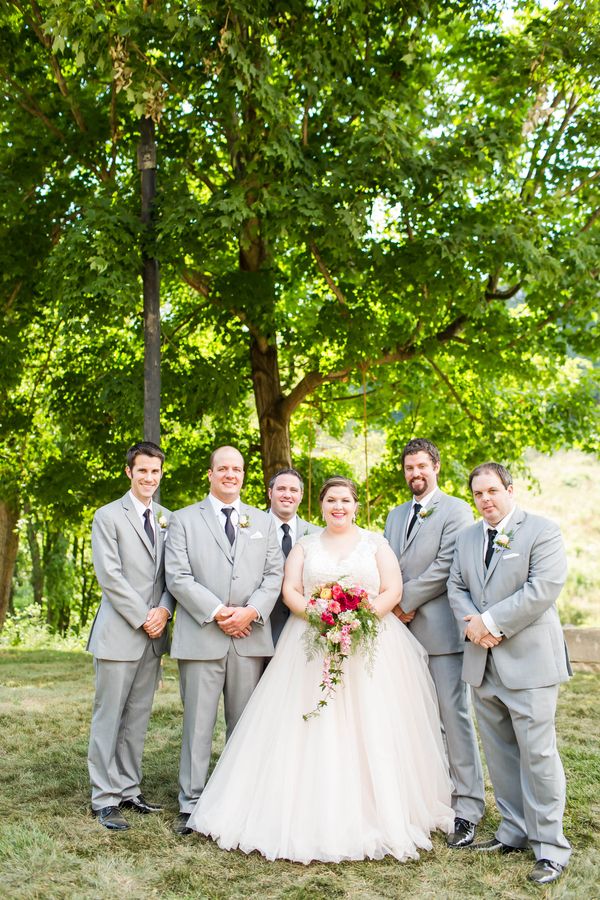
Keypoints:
(244, 521)
(162, 520)
(425, 513)
(502, 541)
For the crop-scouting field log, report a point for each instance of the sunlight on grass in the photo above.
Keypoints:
(50, 847)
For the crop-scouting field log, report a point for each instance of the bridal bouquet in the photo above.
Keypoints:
(341, 621)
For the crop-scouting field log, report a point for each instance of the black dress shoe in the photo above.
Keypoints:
(463, 834)
(496, 846)
(139, 804)
(545, 871)
(180, 825)
(111, 818)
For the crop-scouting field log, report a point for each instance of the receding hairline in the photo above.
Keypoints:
(224, 448)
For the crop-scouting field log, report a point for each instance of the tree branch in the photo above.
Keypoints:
(30, 106)
(494, 293)
(592, 218)
(445, 380)
(336, 291)
(200, 284)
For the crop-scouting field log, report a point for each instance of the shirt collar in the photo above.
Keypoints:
(501, 526)
(218, 505)
(140, 507)
(293, 523)
(423, 503)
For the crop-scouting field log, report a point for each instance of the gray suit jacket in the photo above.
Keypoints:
(280, 613)
(203, 570)
(131, 574)
(520, 589)
(425, 561)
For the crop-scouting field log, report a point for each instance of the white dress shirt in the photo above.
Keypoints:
(423, 503)
(293, 523)
(217, 506)
(140, 509)
(486, 617)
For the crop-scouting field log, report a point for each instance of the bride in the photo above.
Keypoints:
(366, 777)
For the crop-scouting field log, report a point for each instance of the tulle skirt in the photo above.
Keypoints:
(366, 778)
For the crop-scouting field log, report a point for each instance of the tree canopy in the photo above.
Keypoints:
(386, 209)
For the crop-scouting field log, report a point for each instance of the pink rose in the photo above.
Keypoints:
(327, 618)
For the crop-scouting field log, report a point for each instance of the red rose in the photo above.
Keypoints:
(327, 618)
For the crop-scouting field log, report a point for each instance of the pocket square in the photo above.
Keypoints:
(510, 555)
(257, 534)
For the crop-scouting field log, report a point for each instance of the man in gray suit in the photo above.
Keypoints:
(128, 636)
(505, 579)
(422, 533)
(224, 567)
(286, 489)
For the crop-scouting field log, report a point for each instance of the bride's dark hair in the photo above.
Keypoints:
(338, 481)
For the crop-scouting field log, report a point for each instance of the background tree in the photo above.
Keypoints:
(397, 197)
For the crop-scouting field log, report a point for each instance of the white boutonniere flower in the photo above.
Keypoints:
(244, 521)
(425, 513)
(162, 520)
(502, 541)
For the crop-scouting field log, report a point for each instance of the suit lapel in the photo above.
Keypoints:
(243, 534)
(477, 547)
(159, 536)
(493, 563)
(403, 514)
(133, 517)
(513, 526)
(207, 513)
(420, 522)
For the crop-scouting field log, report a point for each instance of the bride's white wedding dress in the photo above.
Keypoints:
(366, 778)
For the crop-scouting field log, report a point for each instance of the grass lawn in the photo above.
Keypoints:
(50, 847)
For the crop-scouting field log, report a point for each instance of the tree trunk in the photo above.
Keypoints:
(37, 569)
(151, 282)
(9, 544)
(273, 421)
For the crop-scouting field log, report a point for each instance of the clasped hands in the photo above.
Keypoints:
(405, 617)
(156, 621)
(477, 633)
(236, 621)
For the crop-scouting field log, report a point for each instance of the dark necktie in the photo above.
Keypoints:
(416, 509)
(148, 527)
(489, 552)
(229, 529)
(286, 542)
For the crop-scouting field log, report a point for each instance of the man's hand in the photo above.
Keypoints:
(236, 621)
(478, 633)
(156, 621)
(403, 616)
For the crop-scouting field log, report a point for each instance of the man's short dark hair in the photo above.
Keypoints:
(418, 445)
(498, 469)
(290, 471)
(144, 448)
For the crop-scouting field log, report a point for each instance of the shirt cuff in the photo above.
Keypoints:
(259, 619)
(211, 618)
(491, 626)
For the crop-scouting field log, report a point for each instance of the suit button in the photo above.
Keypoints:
(484, 603)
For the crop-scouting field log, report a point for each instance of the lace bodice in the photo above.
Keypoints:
(359, 566)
